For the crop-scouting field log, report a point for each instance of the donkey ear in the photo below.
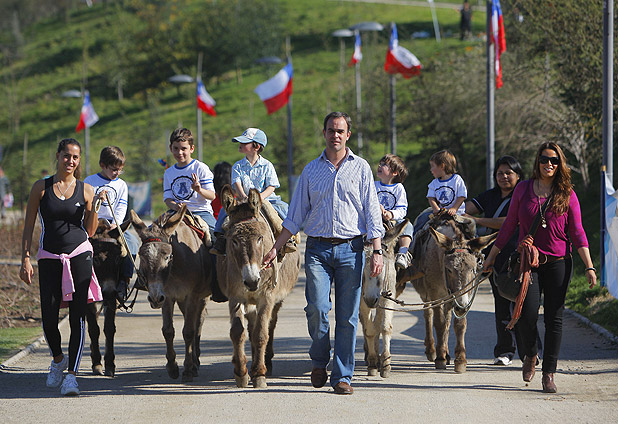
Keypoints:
(255, 201)
(442, 240)
(138, 224)
(115, 233)
(393, 233)
(227, 197)
(170, 225)
(480, 243)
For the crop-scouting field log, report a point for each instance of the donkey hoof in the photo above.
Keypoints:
(431, 356)
(242, 381)
(372, 371)
(460, 366)
(97, 369)
(259, 382)
(440, 364)
(110, 372)
(187, 377)
(172, 370)
(385, 372)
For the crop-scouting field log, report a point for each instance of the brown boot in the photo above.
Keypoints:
(548, 382)
(218, 248)
(528, 368)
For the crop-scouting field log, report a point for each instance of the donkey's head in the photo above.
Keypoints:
(156, 253)
(248, 239)
(385, 281)
(462, 258)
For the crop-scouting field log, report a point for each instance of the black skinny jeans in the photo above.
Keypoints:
(553, 280)
(50, 282)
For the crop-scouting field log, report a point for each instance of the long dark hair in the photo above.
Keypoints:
(62, 146)
(561, 186)
(512, 163)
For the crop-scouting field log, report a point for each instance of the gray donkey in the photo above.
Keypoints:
(176, 266)
(254, 293)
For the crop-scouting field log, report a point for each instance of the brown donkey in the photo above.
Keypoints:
(254, 293)
(449, 261)
(176, 266)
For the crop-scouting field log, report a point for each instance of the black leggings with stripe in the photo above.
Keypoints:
(50, 282)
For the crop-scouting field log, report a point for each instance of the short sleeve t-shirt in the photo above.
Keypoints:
(177, 185)
(447, 191)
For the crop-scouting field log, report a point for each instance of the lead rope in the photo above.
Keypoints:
(472, 285)
(122, 305)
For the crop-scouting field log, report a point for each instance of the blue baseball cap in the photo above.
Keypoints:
(250, 135)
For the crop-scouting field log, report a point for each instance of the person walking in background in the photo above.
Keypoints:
(493, 204)
(465, 22)
(560, 226)
(68, 218)
(336, 201)
(5, 194)
(222, 176)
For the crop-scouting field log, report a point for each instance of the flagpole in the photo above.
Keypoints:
(490, 104)
(608, 120)
(392, 84)
(434, 17)
(290, 138)
(200, 138)
(359, 132)
(393, 115)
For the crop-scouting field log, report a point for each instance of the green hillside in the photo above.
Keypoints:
(59, 53)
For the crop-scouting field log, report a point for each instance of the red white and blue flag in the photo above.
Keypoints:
(358, 55)
(204, 100)
(88, 116)
(400, 60)
(276, 92)
(497, 38)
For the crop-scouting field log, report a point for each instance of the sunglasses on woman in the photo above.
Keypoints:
(555, 160)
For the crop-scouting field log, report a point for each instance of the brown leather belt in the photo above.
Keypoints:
(547, 259)
(333, 240)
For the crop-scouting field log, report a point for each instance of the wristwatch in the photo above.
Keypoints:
(378, 252)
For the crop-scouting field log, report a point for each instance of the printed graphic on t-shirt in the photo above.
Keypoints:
(112, 194)
(387, 199)
(445, 196)
(181, 187)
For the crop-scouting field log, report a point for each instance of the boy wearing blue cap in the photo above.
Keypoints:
(253, 171)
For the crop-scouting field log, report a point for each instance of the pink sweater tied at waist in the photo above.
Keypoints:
(68, 288)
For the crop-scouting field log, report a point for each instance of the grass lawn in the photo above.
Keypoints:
(12, 340)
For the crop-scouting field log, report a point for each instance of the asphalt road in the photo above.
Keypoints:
(142, 392)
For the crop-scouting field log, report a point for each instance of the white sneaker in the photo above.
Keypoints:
(69, 386)
(402, 260)
(502, 360)
(54, 377)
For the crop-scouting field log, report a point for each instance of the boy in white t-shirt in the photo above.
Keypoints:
(393, 199)
(447, 192)
(112, 162)
(189, 181)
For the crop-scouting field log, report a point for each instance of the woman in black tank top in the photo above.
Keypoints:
(68, 218)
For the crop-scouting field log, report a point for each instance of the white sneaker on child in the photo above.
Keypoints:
(69, 386)
(54, 377)
(402, 260)
(502, 360)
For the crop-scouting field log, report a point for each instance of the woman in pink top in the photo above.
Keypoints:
(561, 221)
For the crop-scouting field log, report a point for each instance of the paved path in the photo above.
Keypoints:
(142, 392)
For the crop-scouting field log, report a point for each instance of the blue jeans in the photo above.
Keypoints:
(343, 264)
(127, 265)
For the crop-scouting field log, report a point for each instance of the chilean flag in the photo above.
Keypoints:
(88, 116)
(204, 101)
(399, 60)
(276, 91)
(358, 55)
(497, 38)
